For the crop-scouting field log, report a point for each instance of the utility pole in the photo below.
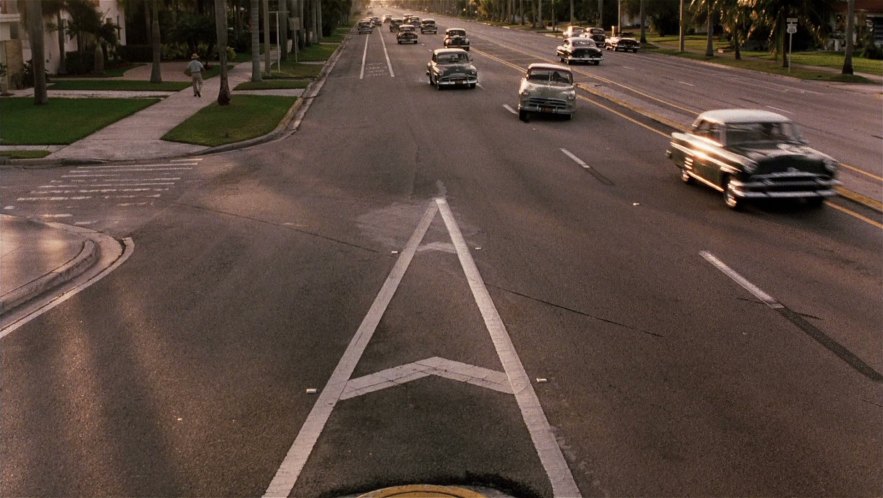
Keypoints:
(681, 29)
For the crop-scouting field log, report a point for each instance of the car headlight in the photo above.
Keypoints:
(571, 96)
(525, 93)
(749, 166)
(831, 165)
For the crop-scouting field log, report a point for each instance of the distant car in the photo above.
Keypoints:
(456, 38)
(579, 50)
(428, 26)
(365, 26)
(597, 35)
(376, 21)
(406, 34)
(573, 31)
(547, 89)
(387, 18)
(415, 21)
(451, 67)
(752, 154)
(394, 24)
(628, 44)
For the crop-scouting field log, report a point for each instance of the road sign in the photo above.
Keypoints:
(792, 20)
(792, 28)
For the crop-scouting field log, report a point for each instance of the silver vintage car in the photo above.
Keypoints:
(547, 89)
(451, 67)
(752, 154)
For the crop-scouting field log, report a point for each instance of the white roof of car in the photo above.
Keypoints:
(742, 116)
(546, 65)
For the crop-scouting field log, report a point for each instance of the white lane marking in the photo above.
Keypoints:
(510, 109)
(197, 159)
(685, 83)
(386, 54)
(575, 159)
(739, 279)
(134, 170)
(288, 473)
(364, 55)
(479, 86)
(441, 367)
(779, 109)
(541, 434)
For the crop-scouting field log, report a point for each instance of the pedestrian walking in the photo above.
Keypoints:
(195, 69)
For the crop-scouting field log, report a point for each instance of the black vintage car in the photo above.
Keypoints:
(626, 43)
(579, 49)
(451, 67)
(752, 154)
(456, 38)
(406, 34)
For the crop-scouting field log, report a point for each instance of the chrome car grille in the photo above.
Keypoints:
(544, 102)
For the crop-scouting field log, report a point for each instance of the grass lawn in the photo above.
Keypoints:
(292, 70)
(247, 116)
(62, 121)
(25, 154)
(830, 63)
(315, 53)
(273, 84)
(110, 72)
(117, 85)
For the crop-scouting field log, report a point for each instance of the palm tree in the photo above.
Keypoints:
(734, 17)
(850, 32)
(155, 72)
(254, 16)
(38, 55)
(707, 7)
(224, 96)
(812, 15)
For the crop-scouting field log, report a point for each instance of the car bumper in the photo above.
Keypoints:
(807, 189)
(465, 81)
(584, 59)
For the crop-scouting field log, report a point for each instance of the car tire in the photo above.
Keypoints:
(524, 116)
(472, 85)
(815, 202)
(730, 198)
(430, 80)
(597, 62)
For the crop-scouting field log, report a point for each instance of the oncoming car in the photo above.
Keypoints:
(456, 38)
(546, 89)
(750, 154)
(451, 67)
(579, 50)
(406, 34)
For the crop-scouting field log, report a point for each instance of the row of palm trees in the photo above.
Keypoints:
(311, 10)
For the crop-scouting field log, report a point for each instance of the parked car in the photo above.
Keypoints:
(406, 34)
(597, 35)
(428, 26)
(365, 26)
(547, 89)
(394, 24)
(573, 31)
(451, 67)
(579, 50)
(752, 154)
(456, 38)
(617, 43)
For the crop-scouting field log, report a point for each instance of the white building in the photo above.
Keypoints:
(15, 48)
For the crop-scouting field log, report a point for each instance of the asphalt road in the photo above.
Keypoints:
(421, 244)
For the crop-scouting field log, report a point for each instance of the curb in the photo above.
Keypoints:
(88, 256)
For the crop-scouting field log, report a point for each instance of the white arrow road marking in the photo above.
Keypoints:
(449, 369)
(340, 386)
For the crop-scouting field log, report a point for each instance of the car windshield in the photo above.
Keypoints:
(748, 133)
(550, 75)
(452, 58)
(456, 32)
(582, 43)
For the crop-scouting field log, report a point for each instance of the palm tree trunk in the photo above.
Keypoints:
(709, 45)
(850, 33)
(254, 19)
(221, 30)
(266, 9)
(38, 55)
(283, 30)
(155, 72)
(62, 63)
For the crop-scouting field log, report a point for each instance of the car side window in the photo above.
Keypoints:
(708, 130)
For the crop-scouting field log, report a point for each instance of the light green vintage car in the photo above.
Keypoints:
(546, 89)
